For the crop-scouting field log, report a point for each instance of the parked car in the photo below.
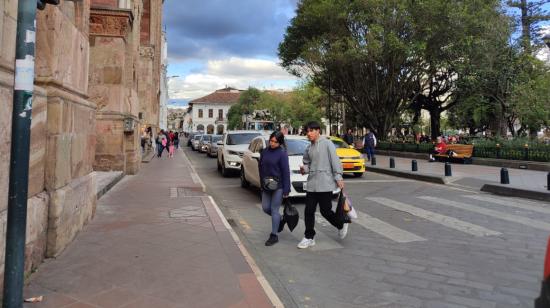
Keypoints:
(190, 138)
(295, 147)
(203, 142)
(212, 148)
(544, 299)
(231, 148)
(195, 142)
(351, 159)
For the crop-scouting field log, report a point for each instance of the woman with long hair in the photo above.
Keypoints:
(275, 181)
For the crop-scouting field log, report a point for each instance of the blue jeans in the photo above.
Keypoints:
(370, 152)
(271, 202)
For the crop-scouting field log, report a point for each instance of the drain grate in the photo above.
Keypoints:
(188, 212)
(190, 192)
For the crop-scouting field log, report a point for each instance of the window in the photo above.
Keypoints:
(220, 114)
(200, 113)
(210, 113)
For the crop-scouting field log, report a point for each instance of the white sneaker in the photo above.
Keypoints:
(306, 242)
(343, 232)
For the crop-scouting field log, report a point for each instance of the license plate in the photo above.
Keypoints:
(348, 165)
(304, 187)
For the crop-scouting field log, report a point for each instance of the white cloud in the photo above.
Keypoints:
(235, 72)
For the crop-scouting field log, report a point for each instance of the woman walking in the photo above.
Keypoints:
(171, 149)
(275, 179)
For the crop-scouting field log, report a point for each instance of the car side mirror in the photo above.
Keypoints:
(219, 142)
(256, 156)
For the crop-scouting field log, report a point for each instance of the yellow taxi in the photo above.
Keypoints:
(351, 159)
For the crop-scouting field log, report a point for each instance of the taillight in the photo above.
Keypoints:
(547, 261)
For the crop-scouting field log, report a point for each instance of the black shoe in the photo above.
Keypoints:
(272, 240)
(281, 225)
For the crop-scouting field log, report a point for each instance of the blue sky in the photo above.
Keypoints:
(214, 43)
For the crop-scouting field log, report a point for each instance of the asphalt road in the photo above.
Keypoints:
(414, 244)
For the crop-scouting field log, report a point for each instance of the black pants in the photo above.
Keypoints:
(325, 204)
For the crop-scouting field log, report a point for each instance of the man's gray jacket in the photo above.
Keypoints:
(322, 165)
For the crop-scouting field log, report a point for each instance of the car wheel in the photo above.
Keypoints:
(244, 182)
(358, 174)
(225, 172)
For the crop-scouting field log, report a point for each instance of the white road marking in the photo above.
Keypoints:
(446, 221)
(375, 181)
(520, 204)
(497, 214)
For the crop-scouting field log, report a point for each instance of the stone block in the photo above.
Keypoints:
(5, 142)
(112, 75)
(58, 168)
(38, 144)
(60, 119)
(71, 207)
(8, 28)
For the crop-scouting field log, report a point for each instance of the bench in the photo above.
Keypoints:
(463, 153)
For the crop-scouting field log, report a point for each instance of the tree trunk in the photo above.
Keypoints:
(435, 123)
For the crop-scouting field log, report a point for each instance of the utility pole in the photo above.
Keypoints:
(19, 159)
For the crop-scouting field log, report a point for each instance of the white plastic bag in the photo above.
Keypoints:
(352, 214)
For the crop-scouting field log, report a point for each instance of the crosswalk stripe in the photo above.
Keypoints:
(446, 221)
(385, 229)
(516, 203)
(323, 241)
(497, 214)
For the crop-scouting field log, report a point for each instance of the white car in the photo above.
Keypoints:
(295, 146)
(231, 149)
(195, 142)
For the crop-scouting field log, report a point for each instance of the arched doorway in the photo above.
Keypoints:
(210, 129)
(200, 128)
(219, 131)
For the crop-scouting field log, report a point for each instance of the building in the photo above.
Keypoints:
(87, 107)
(163, 112)
(209, 113)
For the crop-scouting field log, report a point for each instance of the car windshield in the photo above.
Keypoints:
(296, 146)
(216, 138)
(241, 138)
(197, 137)
(206, 138)
(339, 144)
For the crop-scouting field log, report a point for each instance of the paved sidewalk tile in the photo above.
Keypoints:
(157, 241)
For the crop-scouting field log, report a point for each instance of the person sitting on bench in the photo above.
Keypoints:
(440, 148)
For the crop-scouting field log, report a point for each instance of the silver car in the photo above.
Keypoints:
(195, 142)
(212, 148)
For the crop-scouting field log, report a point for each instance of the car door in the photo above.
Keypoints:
(249, 163)
(255, 162)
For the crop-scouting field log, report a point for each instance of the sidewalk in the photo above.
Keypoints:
(523, 183)
(156, 241)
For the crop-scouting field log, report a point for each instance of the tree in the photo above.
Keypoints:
(531, 14)
(360, 50)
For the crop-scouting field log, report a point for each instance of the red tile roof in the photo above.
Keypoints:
(221, 96)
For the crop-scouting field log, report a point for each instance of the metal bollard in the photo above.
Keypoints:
(548, 181)
(392, 162)
(373, 160)
(414, 166)
(448, 171)
(504, 177)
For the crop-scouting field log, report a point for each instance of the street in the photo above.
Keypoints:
(414, 244)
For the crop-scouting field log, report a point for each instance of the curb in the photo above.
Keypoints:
(516, 192)
(108, 187)
(432, 178)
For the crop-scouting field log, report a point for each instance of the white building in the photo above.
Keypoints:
(163, 109)
(209, 113)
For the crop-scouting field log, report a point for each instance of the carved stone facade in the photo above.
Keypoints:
(114, 43)
(87, 65)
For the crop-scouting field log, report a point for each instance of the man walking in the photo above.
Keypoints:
(369, 143)
(348, 137)
(324, 174)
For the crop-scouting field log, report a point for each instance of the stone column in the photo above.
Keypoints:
(113, 87)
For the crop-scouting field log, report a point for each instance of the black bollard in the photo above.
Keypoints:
(548, 181)
(448, 171)
(392, 162)
(373, 161)
(414, 166)
(504, 178)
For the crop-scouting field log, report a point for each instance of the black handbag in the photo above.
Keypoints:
(290, 215)
(270, 183)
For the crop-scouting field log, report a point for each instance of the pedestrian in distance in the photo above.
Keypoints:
(369, 143)
(348, 136)
(177, 140)
(171, 149)
(163, 143)
(159, 141)
(324, 175)
(439, 148)
(275, 179)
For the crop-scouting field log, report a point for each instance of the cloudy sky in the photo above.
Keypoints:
(214, 43)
